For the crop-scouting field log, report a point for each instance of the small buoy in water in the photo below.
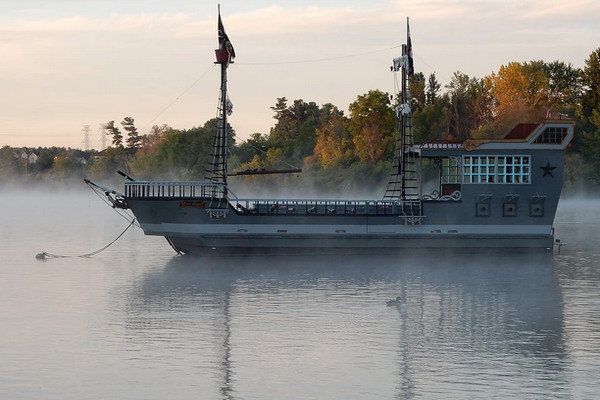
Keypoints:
(391, 303)
(41, 256)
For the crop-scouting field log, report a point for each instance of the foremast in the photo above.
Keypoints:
(403, 183)
(217, 172)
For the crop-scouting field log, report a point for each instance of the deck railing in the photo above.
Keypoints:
(204, 190)
(138, 189)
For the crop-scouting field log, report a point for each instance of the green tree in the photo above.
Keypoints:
(179, 154)
(45, 160)
(431, 122)
(590, 78)
(591, 148)
(372, 126)
(67, 167)
(256, 144)
(117, 137)
(433, 89)
(105, 166)
(416, 86)
(564, 86)
(294, 132)
(9, 164)
(469, 106)
(133, 137)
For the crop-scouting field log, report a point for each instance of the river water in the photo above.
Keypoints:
(137, 321)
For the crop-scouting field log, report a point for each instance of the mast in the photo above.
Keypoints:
(403, 181)
(218, 167)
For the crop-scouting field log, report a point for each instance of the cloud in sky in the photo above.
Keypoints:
(87, 62)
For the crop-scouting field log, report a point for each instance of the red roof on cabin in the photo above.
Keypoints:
(521, 131)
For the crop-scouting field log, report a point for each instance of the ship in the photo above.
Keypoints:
(489, 194)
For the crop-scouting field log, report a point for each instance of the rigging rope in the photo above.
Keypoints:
(317, 60)
(100, 194)
(178, 97)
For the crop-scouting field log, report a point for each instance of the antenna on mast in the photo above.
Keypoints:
(403, 182)
(225, 55)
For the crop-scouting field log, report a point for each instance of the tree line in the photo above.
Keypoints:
(353, 151)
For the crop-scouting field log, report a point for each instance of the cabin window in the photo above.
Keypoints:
(451, 170)
(496, 169)
(552, 135)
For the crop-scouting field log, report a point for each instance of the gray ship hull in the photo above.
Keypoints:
(508, 208)
(188, 232)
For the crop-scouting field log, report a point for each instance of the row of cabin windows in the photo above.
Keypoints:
(509, 209)
(487, 169)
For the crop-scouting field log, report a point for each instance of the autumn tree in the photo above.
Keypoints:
(372, 126)
(527, 90)
(334, 145)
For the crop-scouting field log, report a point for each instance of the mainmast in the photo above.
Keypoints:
(403, 183)
(218, 167)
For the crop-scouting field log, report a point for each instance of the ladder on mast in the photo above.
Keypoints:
(403, 183)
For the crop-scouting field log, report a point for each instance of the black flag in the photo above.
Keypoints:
(224, 42)
(409, 51)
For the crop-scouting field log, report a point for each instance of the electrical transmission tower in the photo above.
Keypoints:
(86, 137)
(102, 133)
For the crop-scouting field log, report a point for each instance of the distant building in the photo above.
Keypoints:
(29, 156)
(79, 156)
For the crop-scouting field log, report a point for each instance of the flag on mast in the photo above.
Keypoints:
(224, 42)
(409, 51)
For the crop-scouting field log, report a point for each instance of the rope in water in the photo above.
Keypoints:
(43, 255)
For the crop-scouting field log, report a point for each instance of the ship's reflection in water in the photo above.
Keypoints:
(313, 327)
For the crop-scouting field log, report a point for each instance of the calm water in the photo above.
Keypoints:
(138, 322)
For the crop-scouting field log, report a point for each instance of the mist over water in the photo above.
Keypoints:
(138, 322)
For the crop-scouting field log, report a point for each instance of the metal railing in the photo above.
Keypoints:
(137, 189)
(209, 191)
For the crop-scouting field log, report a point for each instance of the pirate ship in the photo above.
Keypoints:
(490, 194)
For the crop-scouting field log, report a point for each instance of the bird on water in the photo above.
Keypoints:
(396, 302)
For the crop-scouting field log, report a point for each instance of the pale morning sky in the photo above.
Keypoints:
(69, 63)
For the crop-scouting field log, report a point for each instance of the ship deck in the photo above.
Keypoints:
(213, 196)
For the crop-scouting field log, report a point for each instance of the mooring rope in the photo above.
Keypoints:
(43, 255)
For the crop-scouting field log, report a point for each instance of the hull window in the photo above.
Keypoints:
(482, 208)
(536, 206)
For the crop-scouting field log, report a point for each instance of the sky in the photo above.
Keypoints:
(66, 64)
